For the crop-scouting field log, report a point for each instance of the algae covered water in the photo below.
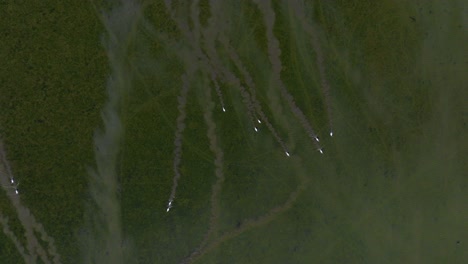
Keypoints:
(233, 132)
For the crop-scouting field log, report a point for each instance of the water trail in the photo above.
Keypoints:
(193, 37)
(218, 152)
(26, 218)
(195, 15)
(214, 31)
(203, 64)
(230, 78)
(6, 230)
(6, 164)
(210, 35)
(211, 31)
(182, 102)
(298, 9)
(274, 53)
(181, 24)
(104, 244)
(257, 221)
(251, 85)
(218, 90)
(197, 59)
(239, 65)
(253, 102)
(194, 59)
(52, 250)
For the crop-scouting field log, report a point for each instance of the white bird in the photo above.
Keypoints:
(224, 110)
(259, 121)
(317, 139)
(256, 130)
(321, 151)
(287, 153)
(331, 133)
